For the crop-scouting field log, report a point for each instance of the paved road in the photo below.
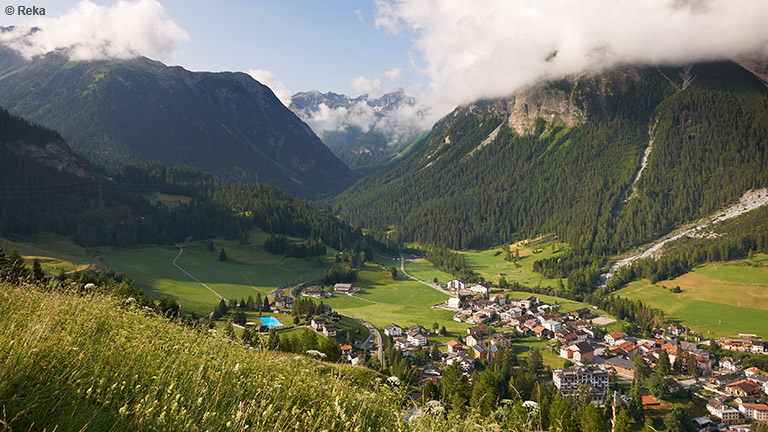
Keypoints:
(402, 270)
(181, 249)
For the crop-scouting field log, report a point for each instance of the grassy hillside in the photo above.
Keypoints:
(717, 299)
(74, 362)
(54, 252)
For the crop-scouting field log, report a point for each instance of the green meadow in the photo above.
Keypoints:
(490, 263)
(716, 299)
(54, 252)
(249, 270)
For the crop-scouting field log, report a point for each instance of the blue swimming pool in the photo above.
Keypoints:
(270, 321)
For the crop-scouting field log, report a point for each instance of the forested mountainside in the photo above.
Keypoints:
(46, 187)
(564, 156)
(364, 132)
(225, 123)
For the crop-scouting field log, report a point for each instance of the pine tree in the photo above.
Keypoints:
(265, 305)
(249, 304)
(485, 394)
(663, 367)
(222, 255)
(37, 270)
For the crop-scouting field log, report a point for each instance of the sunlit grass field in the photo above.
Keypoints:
(717, 299)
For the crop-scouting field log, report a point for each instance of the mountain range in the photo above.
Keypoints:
(364, 132)
(606, 161)
(119, 111)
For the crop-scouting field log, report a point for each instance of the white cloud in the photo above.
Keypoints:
(268, 79)
(472, 51)
(365, 85)
(393, 74)
(89, 32)
(359, 14)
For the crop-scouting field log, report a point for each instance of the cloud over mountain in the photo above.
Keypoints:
(92, 32)
(493, 48)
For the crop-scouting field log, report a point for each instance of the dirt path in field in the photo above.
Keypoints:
(181, 250)
(402, 270)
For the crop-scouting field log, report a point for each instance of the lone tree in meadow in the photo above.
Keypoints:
(222, 255)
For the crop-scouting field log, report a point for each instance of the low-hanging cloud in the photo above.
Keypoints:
(89, 31)
(268, 79)
(471, 51)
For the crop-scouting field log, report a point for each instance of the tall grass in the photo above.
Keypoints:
(71, 362)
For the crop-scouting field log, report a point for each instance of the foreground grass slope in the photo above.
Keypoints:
(75, 362)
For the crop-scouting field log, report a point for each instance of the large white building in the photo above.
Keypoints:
(569, 380)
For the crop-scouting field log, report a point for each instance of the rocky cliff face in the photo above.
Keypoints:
(54, 154)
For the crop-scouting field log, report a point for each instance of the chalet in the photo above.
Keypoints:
(569, 380)
(510, 313)
(529, 302)
(540, 331)
(624, 349)
(329, 330)
(458, 284)
(315, 292)
(465, 362)
(499, 299)
(479, 353)
(614, 338)
(277, 292)
(501, 340)
(480, 288)
(757, 412)
(752, 371)
(474, 339)
(317, 323)
(552, 325)
(454, 346)
(416, 339)
(580, 351)
(346, 349)
(623, 367)
(723, 380)
(744, 388)
(344, 288)
(353, 358)
(392, 330)
(481, 329)
(583, 313)
(726, 414)
(401, 343)
(676, 329)
(415, 328)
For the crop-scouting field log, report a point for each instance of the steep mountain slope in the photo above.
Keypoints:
(118, 111)
(363, 132)
(562, 157)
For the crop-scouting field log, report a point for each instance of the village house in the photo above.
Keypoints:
(480, 288)
(353, 358)
(624, 349)
(499, 299)
(479, 353)
(552, 325)
(757, 412)
(392, 330)
(744, 388)
(474, 339)
(722, 380)
(458, 284)
(580, 351)
(614, 338)
(465, 362)
(676, 329)
(454, 302)
(315, 292)
(344, 288)
(623, 367)
(329, 330)
(569, 379)
(401, 343)
(416, 339)
(583, 313)
(743, 345)
(529, 302)
(501, 340)
(317, 323)
(752, 371)
(454, 346)
(731, 364)
(726, 414)
(346, 349)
